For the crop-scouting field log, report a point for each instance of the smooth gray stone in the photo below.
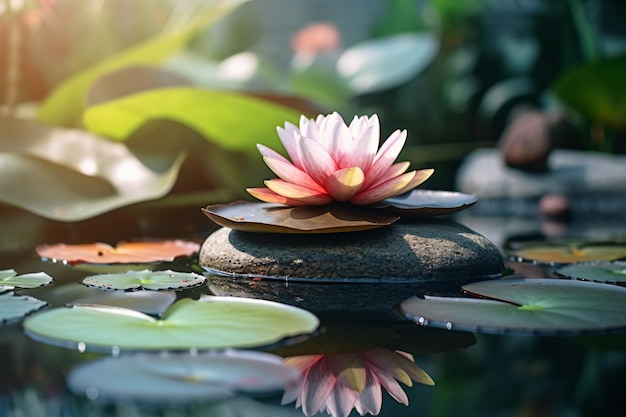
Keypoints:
(571, 172)
(433, 250)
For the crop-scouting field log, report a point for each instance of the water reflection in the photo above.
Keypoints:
(474, 375)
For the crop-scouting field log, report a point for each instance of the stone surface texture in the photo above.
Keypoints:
(431, 250)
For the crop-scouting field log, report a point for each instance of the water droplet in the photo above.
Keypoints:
(82, 346)
(422, 321)
(449, 326)
(115, 351)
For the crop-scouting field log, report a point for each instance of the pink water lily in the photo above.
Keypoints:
(332, 161)
(338, 383)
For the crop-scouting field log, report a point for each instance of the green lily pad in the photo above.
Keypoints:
(537, 306)
(596, 90)
(427, 203)
(208, 323)
(568, 252)
(146, 279)
(150, 302)
(607, 272)
(181, 378)
(15, 307)
(274, 218)
(10, 280)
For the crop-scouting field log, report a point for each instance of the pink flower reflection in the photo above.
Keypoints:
(338, 383)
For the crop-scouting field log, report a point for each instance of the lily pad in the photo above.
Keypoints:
(146, 279)
(568, 252)
(607, 272)
(10, 280)
(208, 323)
(536, 306)
(124, 252)
(149, 302)
(15, 307)
(427, 203)
(181, 378)
(274, 218)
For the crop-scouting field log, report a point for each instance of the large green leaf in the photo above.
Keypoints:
(597, 90)
(65, 105)
(232, 120)
(70, 175)
(209, 323)
(526, 306)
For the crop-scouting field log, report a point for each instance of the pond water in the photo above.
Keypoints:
(474, 374)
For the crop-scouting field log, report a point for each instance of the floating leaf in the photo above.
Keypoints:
(526, 306)
(9, 278)
(273, 218)
(596, 90)
(124, 252)
(149, 302)
(146, 279)
(15, 307)
(209, 323)
(607, 272)
(427, 203)
(181, 378)
(236, 122)
(71, 175)
(65, 105)
(568, 252)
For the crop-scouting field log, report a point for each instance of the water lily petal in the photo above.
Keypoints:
(345, 183)
(386, 155)
(316, 161)
(269, 196)
(298, 192)
(349, 370)
(318, 385)
(390, 188)
(398, 364)
(371, 399)
(339, 138)
(420, 176)
(393, 171)
(390, 385)
(291, 173)
(362, 152)
(289, 137)
(341, 401)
